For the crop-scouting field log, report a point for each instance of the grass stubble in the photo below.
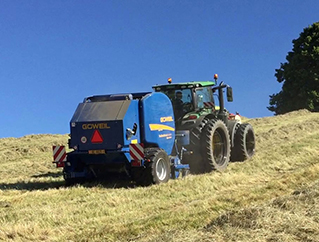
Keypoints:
(272, 197)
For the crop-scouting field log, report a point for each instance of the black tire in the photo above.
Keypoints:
(215, 145)
(196, 133)
(157, 171)
(244, 142)
(195, 160)
(233, 152)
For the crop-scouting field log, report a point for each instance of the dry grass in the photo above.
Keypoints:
(272, 197)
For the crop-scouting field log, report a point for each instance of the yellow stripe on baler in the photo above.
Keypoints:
(160, 127)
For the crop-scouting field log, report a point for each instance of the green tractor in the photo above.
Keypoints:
(210, 136)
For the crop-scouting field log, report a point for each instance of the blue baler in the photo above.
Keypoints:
(132, 133)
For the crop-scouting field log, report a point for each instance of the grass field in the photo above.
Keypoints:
(272, 197)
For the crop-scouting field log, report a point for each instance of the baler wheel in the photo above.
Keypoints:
(158, 170)
(160, 167)
(215, 145)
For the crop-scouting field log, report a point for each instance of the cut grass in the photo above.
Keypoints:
(272, 197)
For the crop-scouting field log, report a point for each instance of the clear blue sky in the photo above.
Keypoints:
(53, 53)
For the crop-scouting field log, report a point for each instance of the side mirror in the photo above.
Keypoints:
(229, 94)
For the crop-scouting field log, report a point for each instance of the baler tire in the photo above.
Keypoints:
(215, 145)
(157, 171)
(160, 167)
(244, 142)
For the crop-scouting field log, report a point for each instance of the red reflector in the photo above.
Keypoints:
(60, 164)
(136, 163)
(192, 117)
(97, 137)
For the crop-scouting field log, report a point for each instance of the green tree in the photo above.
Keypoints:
(299, 75)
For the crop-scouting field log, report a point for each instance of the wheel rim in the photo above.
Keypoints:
(250, 143)
(161, 169)
(219, 148)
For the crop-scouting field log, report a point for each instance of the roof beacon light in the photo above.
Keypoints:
(215, 77)
(169, 80)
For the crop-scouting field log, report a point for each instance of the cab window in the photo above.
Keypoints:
(184, 95)
(204, 98)
(182, 101)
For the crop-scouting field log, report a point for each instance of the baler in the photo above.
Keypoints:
(131, 133)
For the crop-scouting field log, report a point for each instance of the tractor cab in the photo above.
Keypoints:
(192, 100)
(188, 98)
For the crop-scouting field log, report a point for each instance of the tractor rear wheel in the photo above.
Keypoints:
(215, 145)
(244, 147)
(158, 170)
(195, 160)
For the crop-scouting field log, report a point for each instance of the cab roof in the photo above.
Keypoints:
(184, 85)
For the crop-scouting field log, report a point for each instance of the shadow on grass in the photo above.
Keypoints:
(49, 174)
(30, 186)
(112, 181)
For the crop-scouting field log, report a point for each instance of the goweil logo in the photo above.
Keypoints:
(95, 126)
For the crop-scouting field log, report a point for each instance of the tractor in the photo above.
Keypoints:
(207, 131)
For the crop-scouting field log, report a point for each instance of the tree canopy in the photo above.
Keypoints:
(299, 75)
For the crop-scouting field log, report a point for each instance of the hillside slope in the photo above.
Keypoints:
(272, 197)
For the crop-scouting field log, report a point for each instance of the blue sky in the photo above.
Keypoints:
(53, 53)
